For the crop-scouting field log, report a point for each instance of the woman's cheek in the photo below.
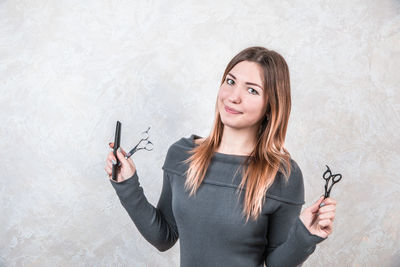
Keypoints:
(223, 93)
(256, 109)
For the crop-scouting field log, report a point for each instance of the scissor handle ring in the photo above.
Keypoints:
(334, 180)
(328, 171)
(149, 146)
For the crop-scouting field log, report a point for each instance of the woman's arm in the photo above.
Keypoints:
(289, 241)
(157, 225)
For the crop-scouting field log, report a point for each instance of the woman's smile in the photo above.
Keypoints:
(232, 111)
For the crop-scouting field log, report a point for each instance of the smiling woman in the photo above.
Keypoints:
(201, 202)
(237, 97)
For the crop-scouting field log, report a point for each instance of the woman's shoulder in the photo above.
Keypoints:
(185, 144)
(289, 190)
(178, 152)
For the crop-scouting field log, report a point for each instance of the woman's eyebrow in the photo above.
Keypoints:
(246, 82)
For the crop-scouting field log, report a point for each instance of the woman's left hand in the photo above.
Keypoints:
(319, 220)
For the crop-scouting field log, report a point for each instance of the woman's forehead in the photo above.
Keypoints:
(247, 71)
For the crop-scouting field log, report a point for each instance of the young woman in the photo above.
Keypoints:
(233, 198)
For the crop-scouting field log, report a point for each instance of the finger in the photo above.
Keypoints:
(108, 170)
(315, 206)
(329, 215)
(111, 144)
(328, 229)
(109, 164)
(111, 157)
(327, 208)
(123, 152)
(325, 223)
(131, 161)
(121, 157)
(330, 201)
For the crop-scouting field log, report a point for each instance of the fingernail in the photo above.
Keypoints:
(113, 161)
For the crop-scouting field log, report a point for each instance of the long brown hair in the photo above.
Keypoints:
(262, 165)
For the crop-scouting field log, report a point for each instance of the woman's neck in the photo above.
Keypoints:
(237, 142)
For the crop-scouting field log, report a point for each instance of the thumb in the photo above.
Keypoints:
(315, 206)
(121, 156)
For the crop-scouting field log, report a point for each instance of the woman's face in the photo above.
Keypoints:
(242, 91)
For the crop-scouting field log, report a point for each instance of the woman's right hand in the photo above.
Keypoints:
(125, 170)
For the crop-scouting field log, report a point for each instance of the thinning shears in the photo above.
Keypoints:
(147, 144)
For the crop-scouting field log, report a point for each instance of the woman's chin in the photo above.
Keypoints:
(231, 124)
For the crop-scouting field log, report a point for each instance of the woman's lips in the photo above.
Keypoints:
(232, 111)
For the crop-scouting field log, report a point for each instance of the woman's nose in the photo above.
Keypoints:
(235, 96)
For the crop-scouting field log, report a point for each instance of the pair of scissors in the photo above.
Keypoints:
(148, 145)
(327, 177)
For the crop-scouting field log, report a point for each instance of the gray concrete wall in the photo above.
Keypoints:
(70, 69)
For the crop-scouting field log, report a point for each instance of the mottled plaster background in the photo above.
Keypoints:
(70, 69)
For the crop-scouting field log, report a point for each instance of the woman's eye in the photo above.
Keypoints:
(230, 82)
(255, 91)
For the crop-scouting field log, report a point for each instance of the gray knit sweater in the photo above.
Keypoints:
(210, 226)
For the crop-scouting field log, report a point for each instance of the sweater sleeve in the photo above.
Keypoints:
(289, 241)
(156, 224)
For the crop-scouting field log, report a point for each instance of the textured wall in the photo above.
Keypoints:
(70, 69)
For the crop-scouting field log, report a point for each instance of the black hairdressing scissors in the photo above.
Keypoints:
(147, 146)
(327, 176)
